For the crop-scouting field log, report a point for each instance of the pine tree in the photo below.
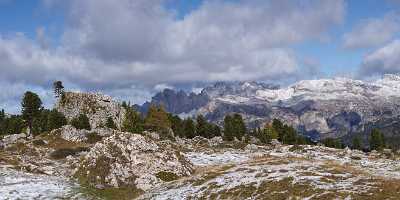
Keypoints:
(81, 122)
(12, 125)
(202, 127)
(126, 105)
(157, 119)
(267, 134)
(356, 143)
(332, 143)
(215, 130)
(55, 120)
(39, 124)
(110, 123)
(2, 115)
(132, 123)
(31, 105)
(176, 125)
(228, 128)
(239, 126)
(290, 135)
(377, 140)
(189, 128)
(279, 128)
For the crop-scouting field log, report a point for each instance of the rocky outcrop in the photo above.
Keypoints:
(11, 139)
(72, 134)
(132, 160)
(96, 106)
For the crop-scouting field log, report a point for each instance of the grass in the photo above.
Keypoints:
(112, 193)
(210, 173)
(65, 152)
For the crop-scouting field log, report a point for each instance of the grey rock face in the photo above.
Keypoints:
(96, 106)
(11, 139)
(176, 102)
(72, 134)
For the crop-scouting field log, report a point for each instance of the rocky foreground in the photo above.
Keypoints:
(107, 164)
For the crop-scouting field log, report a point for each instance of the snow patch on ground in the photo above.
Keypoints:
(21, 185)
(204, 159)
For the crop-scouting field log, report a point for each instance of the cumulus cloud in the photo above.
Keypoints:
(372, 32)
(130, 45)
(383, 60)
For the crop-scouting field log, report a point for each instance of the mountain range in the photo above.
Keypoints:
(322, 108)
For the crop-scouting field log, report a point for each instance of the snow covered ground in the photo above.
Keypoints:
(310, 173)
(21, 185)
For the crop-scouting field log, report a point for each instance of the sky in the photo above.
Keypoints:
(130, 49)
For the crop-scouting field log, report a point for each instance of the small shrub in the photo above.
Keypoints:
(62, 153)
(355, 157)
(38, 142)
(93, 138)
(167, 176)
(65, 152)
(296, 148)
(81, 122)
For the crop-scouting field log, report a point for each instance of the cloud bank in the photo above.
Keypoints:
(131, 45)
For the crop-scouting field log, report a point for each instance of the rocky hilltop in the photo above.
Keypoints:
(318, 108)
(96, 106)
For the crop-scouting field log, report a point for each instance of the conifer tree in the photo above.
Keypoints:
(289, 135)
(332, 143)
(110, 123)
(215, 130)
(39, 124)
(176, 125)
(189, 128)
(267, 134)
(31, 105)
(356, 143)
(132, 122)
(202, 127)
(279, 128)
(81, 122)
(2, 115)
(239, 127)
(228, 128)
(12, 125)
(55, 120)
(377, 140)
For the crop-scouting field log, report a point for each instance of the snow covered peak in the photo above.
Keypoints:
(318, 89)
(391, 77)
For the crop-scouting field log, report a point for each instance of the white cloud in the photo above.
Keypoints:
(372, 32)
(383, 60)
(111, 45)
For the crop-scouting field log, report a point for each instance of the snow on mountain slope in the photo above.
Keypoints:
(322, 107)
(322, 89)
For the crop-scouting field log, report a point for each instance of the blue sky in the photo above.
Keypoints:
(133, 48)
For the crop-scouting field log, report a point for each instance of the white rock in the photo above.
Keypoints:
(11, 139)
(132, 160)
(96, 106)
